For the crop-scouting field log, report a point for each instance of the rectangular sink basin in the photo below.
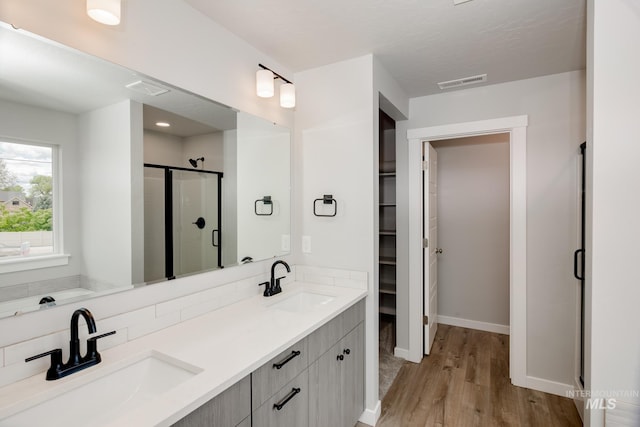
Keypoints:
(303, 301)
(105, 397)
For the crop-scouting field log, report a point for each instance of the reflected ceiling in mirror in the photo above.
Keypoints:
(113, 210)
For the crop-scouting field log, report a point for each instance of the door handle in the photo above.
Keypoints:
(200, 223)
(575, 263)
(214, 234)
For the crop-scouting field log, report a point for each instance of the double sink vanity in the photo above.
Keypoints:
(294, 359)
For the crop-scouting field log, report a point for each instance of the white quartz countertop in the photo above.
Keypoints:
(227, 344)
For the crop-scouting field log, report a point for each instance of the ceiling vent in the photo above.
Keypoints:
(147, 88)
(481, 78)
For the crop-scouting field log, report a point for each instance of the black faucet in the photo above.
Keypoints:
(76, 362)
(272, 287)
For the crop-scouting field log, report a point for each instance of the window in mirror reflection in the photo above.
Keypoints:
(26, 200)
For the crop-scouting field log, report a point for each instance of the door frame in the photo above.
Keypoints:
(516, 126)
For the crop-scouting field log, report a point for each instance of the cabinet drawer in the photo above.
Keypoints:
(293, 403)
(324, 338)
(273, 375)
(228, 409)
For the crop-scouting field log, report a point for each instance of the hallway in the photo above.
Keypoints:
(464, 382)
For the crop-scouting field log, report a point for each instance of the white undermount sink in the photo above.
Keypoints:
(302, 301)
(107, 395)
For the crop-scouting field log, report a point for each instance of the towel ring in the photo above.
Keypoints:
(326, 199)
(266, 201)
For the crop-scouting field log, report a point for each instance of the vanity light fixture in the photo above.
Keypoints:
(265, 87)
(104, 11)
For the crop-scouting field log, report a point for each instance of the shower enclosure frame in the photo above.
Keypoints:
(168, 214)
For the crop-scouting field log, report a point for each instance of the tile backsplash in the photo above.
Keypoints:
(24, 336)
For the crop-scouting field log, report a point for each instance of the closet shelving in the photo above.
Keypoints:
(387, 229)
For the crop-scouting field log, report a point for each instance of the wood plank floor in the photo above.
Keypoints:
(465, 382)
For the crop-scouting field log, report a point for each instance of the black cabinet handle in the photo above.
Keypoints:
(286, 399)
(347, 351)
(575, 263)
(286, 360)
(340, 357)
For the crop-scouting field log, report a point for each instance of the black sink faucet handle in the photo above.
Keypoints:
(92, 346)
(267, 288)
(55, 354)
(56, 362)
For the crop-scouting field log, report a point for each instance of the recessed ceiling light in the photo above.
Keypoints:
(163, 124)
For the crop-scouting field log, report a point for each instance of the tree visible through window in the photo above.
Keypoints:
(26, 199)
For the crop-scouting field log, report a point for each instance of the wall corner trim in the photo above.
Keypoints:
(402, 353)
(370, 416)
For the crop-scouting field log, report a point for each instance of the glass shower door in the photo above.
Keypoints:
(196, 221)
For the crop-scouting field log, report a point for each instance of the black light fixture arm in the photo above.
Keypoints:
(277, 76)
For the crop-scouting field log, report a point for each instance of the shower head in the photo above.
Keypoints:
(194, 162)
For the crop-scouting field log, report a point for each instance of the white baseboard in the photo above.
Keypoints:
(371, 416)
(474, 324)
(402, 353)
(548, 386)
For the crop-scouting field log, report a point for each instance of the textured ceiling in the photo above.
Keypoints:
(420, 42)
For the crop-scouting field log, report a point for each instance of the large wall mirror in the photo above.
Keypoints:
(136, 180)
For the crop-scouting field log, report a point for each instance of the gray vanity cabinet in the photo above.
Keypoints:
(288, 407)
(317, 382)
(352, 376)
(228, 409)
(336, 383)
(273, 375)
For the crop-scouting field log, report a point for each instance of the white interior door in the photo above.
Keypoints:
(430, 230)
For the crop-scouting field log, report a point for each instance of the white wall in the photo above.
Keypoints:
(34, 124)
(336, 152)
(210, 146)
(105, 156)
(473, 230)
(556, 108)
(613, 205)
(163, 149)
(229, 194)
(334, 138)
(263, 169)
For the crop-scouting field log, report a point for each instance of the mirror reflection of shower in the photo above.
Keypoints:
(194, 162)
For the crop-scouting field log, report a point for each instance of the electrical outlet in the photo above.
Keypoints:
(306, 244)
(286, 243)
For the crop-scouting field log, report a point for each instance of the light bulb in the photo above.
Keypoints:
(264, 83)
(287, 95)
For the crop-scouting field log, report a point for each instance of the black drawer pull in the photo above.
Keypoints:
(287, 398)
(287, 360)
